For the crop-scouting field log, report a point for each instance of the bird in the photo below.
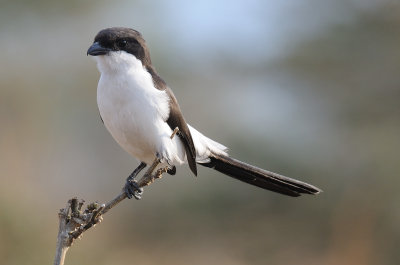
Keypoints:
(141, 112)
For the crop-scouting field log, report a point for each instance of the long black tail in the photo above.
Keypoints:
(259, 177)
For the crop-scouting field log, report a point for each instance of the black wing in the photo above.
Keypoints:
(176, 119)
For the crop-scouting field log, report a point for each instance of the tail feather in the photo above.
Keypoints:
(259, 177)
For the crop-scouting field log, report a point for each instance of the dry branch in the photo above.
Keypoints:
(73, 221)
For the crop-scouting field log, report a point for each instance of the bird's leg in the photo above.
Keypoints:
(136, 171)
(132, 189)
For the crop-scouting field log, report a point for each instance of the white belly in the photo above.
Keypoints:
(134, 112)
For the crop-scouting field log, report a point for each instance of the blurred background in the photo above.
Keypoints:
(318, 80)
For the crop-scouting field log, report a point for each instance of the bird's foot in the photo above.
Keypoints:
(132, 189)
(171, 170)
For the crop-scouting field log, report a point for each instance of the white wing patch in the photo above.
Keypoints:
(205, 146)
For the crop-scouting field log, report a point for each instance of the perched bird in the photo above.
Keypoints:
(141, 112)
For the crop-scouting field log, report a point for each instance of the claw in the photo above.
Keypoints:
(132, 189)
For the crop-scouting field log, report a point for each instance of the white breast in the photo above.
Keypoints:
(134, 111)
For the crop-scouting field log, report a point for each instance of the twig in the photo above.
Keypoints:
(73, 222)
(176, 130)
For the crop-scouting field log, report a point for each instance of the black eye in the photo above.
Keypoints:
(122, 43)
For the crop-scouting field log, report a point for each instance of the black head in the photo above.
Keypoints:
(120, 39)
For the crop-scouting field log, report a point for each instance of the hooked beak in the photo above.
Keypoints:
(96, 49)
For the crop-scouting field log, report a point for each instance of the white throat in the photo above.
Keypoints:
(117, 61)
